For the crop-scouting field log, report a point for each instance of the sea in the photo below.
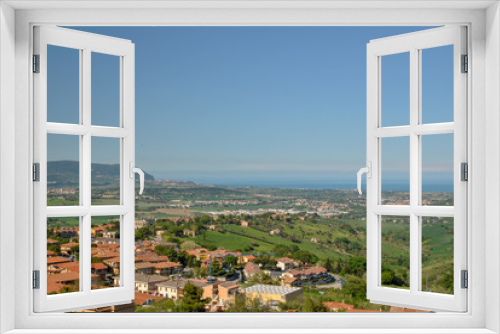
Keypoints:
(387, 185)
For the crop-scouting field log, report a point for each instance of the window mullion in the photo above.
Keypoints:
(86, 168)
(415, 169)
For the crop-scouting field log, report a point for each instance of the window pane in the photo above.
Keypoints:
(437, 254)
(395, 90)
(105, 171)
(105, 89)
(63, 85)
(63, 170)
(437, 169)
(105, 252)
(395, 167)
(63, 255)
(395, 271)
(437, 84)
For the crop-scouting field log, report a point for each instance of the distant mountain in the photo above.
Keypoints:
(66, 174)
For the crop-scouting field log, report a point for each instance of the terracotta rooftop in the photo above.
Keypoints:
(251, 268)
(144, 265)
(70, 244)
(57, 259)
(165, 265)
(58, 278)
(98, 266)
(142, 298)
(285, 260)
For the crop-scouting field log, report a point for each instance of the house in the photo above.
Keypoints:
(114, 264)
(199, 253)
(105, 253)
(98, 269)
(96, 281)
(57, 260)
(314, 274)
(167, 268)
(68, 232)
(151, 257)
(174, 289)
(106, 241)
(244, 223)
(271, 295)
(68, 281)
(290, 281)
(145, 268)
(275, 232)
(66, 248)
(142, 299)
(97, 231)
(143, 223)
(316, 240)
(147, 283)
(189, 233)
(211, 227)
(284, 263)
(110, 234)
(227, 292)
(208, 260)
(246, 258)
(160, 233)
(51, 253)
(63, 268)
(52, 242)
(71, 278)
(250, 270)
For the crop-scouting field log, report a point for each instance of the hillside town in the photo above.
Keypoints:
(221, 280)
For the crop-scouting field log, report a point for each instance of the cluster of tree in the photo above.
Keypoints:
(355, 265)
(267, 261)
(177, 256)
(394, 277)
(244, 304)
(144, 233)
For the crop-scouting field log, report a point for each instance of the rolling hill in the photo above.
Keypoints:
(66, 174)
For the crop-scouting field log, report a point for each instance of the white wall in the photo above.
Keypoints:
(7, 161)
(492, 166)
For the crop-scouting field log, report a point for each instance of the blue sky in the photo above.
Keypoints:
(253, 102)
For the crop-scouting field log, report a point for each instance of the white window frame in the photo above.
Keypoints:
(86, 44)
(483, 21)
(414, 43)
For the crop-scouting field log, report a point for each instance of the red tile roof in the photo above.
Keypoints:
(165, 265)
(285, 260)
(251, 268)
(98, 266)
(142, 298)
(69, 245)
(337, 306)
(57, 259)
(58, 278)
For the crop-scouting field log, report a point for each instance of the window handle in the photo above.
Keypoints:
(368, 171)
(139, 171)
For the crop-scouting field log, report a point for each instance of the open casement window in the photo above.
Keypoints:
(64, 276)
(416, 130)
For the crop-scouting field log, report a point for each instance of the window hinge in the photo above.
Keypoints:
(36, 63)
(465, 64)
(464, 170)
(465, 279)
(36, 279)
(36, 172)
